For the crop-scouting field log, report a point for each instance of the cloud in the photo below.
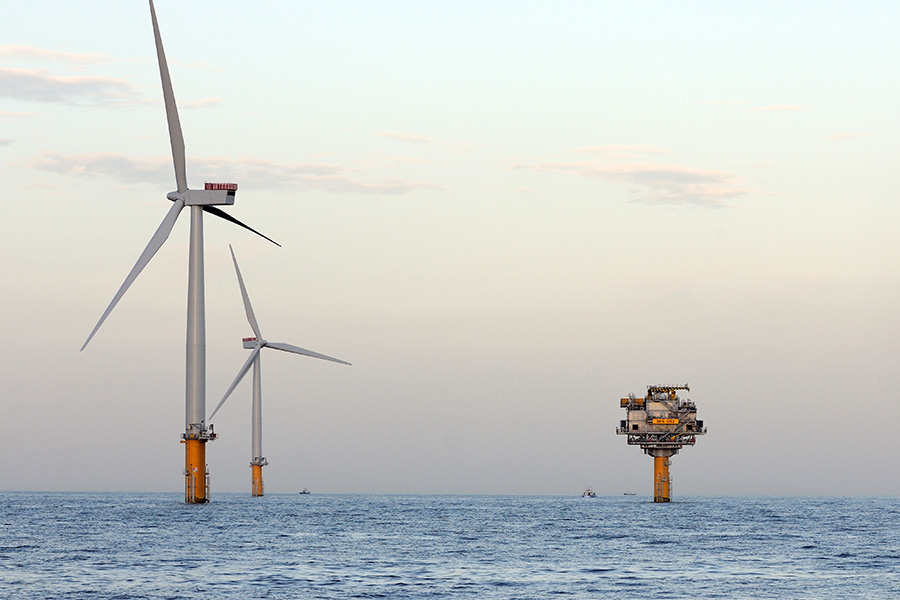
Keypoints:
(38, 86)
(193, 66)
(38, 185)
(114, 166)
(766, 164)
(727, 102)
(33, 53)
(769, 108)
(389, 161)
(846, 136)
(8, 115)
(656, 183)
(248, 171)
(622, 151)
(780, 108)
(206, 103)
(409, 138)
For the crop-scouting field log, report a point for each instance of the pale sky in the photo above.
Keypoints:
(506, 216)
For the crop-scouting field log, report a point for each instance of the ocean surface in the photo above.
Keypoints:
(72, 545)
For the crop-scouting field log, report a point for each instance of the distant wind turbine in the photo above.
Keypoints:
(257, 344)
(196, 433)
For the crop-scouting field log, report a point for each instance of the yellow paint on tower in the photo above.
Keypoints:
(256, 483)
(195, 491)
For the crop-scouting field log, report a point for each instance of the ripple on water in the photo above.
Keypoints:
(153, 546)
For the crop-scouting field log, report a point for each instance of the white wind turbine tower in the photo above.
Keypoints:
(196, 433)
(257, 344)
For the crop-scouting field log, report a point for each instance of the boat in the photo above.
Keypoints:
(629, 494)
(589, 493)
(304, 491)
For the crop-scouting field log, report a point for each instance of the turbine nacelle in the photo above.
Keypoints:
(214, 194)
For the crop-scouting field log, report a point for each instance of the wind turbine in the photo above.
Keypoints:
(257, 344)
(196, 433)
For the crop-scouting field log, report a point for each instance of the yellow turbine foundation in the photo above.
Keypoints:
(256, 482)
(661, 479)
(195, 490)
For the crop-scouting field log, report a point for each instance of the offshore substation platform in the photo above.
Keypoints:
(661, 423)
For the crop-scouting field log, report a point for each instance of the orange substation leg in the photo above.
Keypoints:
(661, 479)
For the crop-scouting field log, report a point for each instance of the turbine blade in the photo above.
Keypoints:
(156, 242)
(253, 355)
(224, 215)
(175, 136)
(303, 351)
(247, 308)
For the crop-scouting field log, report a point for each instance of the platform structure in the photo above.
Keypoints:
(661, 423)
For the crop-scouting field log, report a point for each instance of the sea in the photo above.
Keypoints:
(153, 546)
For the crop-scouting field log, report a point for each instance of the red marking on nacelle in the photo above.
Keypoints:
(220, 186)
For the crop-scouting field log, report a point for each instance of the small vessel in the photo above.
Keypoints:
(589, 493)
(628, 494)
(304, 491)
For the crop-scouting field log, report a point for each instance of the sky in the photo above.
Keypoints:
(507, 216)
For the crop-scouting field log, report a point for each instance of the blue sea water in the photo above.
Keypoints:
(72, 545)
